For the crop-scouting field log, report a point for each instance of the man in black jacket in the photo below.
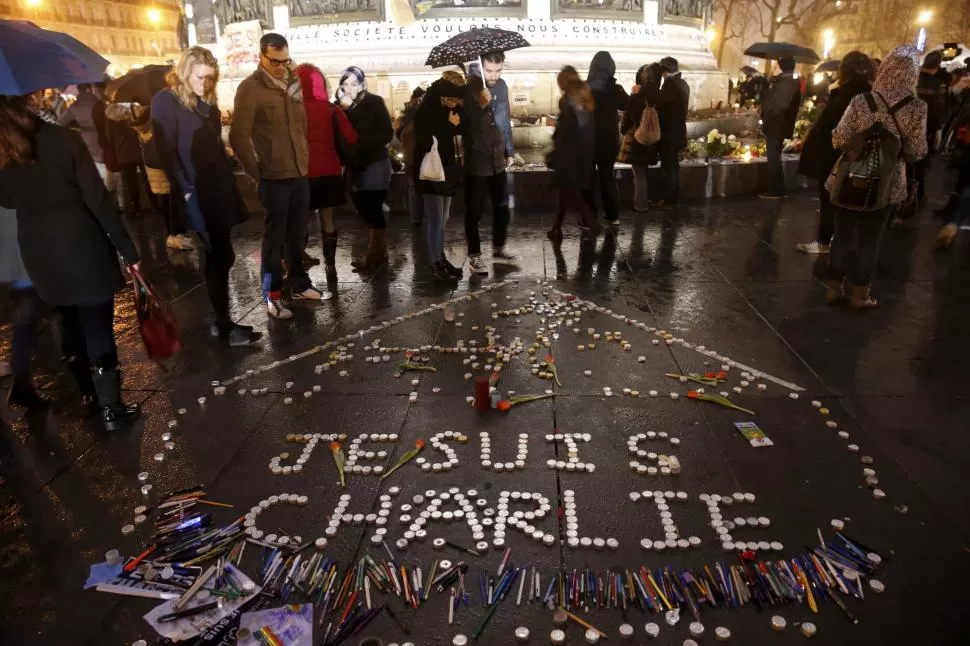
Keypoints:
(671, 101)
(610, 101)
(932, 89)
(778, 113)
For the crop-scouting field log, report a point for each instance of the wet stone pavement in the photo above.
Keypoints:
(722, 279)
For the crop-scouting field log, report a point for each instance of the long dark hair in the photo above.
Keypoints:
(855, 65)
(17, 125)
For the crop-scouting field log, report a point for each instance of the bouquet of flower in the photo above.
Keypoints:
(717, 145)
(802, 126)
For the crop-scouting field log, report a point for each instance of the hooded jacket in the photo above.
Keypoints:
(321, 116)
(610, 101)
(895, 81)
(431, 121)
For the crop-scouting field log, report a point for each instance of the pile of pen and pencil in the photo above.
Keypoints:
(836, 567)
(185, 536)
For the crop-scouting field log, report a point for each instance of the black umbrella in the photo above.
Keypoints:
(775, 51)
(747, 70)
(139, 86)
(473, 44)
(829, 65)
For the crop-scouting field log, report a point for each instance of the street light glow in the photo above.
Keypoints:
(154, 16)
(828, 42)
(34, 3)
(924, 17)
(710, 34)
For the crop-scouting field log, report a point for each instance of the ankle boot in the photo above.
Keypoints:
(330, 255)
(22, 394)
(114, 412)
(80, 369)
(361, 263)
(833, 292)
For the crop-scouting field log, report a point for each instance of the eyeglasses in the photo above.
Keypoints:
(276, 62)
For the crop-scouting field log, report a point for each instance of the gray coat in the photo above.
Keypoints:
(11, 265)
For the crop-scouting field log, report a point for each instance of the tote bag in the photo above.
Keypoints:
(156, 320)
(432, 170)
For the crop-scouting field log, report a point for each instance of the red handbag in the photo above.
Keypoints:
(156, 321)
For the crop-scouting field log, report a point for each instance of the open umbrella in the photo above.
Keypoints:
(473, 44)
(139, 86)
(747, 70)
(34, 59)
(775, 51)
(829, 65)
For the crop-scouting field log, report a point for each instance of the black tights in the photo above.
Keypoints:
(88, 335)
(219, 258)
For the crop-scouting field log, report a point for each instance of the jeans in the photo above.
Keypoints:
(219, 258)
(603, 175)
(26, 314)
(640, 197)
(436, 211)
(475, 189)
(670, 169)
(287, 206)
(776, 172)
(415, 203)
(826, 216)
(89, 335)
(861, 233)
(370, 207)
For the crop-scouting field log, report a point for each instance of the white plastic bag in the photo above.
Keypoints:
(431, 168)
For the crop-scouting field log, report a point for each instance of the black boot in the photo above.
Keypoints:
(238, 336)
(22, 394)
(114, 412)
(80, 369)
(330, 256)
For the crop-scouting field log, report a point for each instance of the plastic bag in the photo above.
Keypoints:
(432, 170)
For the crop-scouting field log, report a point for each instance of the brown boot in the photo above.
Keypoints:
(862, 298)
(376, 254)
(833, 292)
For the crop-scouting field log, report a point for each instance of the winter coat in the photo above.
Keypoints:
(268, 132)
(87, 117)
(672, 102)
(69, 229)
(483, 140)
(372, 123)
(931, 89)
(818, 155)
(610, 101)
(779, 110)
(431, 121)
(895, 81)
(122, 139)
(320, 117)
(639, 154)
(189, 145)
(12, 268)
(573, 147)
(502, 113)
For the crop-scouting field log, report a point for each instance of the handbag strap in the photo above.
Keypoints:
(141, 281)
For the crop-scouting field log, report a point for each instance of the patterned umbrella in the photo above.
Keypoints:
(473, 44)
(775, 51)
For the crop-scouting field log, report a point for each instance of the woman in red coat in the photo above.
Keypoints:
(327, 188)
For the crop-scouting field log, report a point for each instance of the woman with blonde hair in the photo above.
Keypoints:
(573, 151)
(187, 128)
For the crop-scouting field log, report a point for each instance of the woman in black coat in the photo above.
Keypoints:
(70, 234)
(439, 120)
(610, 100)
(638, 155)
(819, 156)
(573, 150)
(187, 129)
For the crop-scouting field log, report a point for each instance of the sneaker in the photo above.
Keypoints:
(813, 248)
(179, 243)
(441, 274)
(453, 271)
(240, 336)
(312, 294)
(276, 309)
(503, 257)
(477, 266)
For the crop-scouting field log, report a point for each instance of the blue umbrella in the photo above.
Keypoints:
(34, 59)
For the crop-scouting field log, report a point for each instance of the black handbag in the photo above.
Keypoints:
(346, 151)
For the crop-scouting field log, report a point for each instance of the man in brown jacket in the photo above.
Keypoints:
(268, 135)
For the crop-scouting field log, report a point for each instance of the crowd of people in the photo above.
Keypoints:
(306, 148)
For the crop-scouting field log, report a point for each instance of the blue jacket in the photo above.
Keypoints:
(503, 113)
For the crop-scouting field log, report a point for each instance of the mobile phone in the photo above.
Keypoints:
(475, 69)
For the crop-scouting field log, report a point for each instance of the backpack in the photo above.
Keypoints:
(864, 183)
(648, 132)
